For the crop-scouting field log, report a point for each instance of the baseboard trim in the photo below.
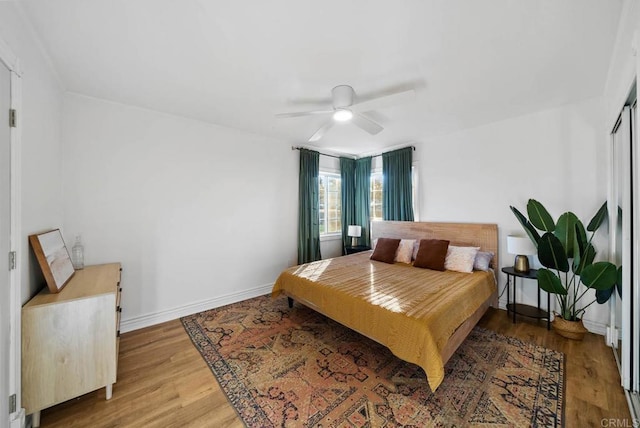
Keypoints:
(148, 320)
(17, 419)
(593, 327)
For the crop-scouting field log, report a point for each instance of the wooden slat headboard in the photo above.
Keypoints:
(483, 235)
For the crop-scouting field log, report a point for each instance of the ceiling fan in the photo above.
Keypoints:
(345, 109)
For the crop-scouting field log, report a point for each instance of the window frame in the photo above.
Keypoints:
(330, 236)
(371, 191)
(327, 172)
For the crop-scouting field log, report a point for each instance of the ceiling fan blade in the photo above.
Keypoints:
(367, 124)
(386, 101)
(304, 113)
(320, 132)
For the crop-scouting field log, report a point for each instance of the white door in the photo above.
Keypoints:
(5, 244)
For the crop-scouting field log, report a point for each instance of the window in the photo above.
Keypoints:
(330, 195)
(330, 204)
(375, 211)
(375, 208)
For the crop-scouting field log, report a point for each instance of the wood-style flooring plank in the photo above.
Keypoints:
(163, 382)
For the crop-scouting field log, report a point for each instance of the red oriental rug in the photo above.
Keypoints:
(284, 367)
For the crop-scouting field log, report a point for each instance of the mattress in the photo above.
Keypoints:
(410, 310)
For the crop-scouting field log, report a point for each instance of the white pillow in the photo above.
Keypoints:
(460, 259)
(405, 250)
(416, 247)
(483, 260)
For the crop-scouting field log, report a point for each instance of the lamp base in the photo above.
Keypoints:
(354, 241)
(521, 264)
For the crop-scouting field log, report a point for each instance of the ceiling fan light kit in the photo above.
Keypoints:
(342, 115)
(342, 96)
(346, 110)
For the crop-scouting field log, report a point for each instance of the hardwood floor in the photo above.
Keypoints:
(164, 382)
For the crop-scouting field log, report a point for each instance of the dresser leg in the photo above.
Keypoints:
(109, 389)
(35, 419)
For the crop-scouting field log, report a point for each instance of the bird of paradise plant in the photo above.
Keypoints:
(567, 254)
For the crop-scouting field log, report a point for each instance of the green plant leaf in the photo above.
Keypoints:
(603, 296)
(619, 281)
(551, 253)
(539, 216)
(550, 282)
(581, 240)
(597, 219)
(526, 225)
(585, 260)
(580, 243)
(566, 231)
(599, 276)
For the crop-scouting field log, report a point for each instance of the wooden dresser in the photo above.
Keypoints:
(70, 339)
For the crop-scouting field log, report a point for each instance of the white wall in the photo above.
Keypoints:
(198, 214)
(40, 117)
(556, 156)
(622, 68)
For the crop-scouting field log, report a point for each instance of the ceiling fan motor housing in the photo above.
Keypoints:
(342, 96)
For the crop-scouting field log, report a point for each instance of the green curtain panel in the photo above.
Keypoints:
(347, 177)
(309, 210)
(397, 203)
(363, 198)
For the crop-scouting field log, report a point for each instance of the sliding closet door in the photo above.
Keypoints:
(631, 304)
(622, 227)
(619, 176)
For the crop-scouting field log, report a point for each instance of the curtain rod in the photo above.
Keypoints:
(380, 154)
(323, 154)
(338, 157)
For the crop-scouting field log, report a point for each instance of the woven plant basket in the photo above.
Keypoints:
(570, 329)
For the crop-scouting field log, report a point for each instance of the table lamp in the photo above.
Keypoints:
(522, 247)
(354, 232)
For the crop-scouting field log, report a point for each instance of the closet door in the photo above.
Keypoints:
(5, 243)
(622, 227)
(631, 305)
(619, 175)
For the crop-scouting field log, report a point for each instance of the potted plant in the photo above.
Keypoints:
(569, 272)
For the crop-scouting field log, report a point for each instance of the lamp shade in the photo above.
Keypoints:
(354, 231)
(520, 245)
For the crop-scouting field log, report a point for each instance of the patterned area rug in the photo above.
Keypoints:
(284, 367)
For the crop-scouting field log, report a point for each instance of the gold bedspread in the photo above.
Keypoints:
(411, 311)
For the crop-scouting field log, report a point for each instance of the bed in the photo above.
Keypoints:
(421, 315)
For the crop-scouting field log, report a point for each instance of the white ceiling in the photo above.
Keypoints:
(237, 63)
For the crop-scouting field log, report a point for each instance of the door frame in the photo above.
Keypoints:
(12, 62)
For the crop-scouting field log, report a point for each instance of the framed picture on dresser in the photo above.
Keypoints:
(53, 258)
